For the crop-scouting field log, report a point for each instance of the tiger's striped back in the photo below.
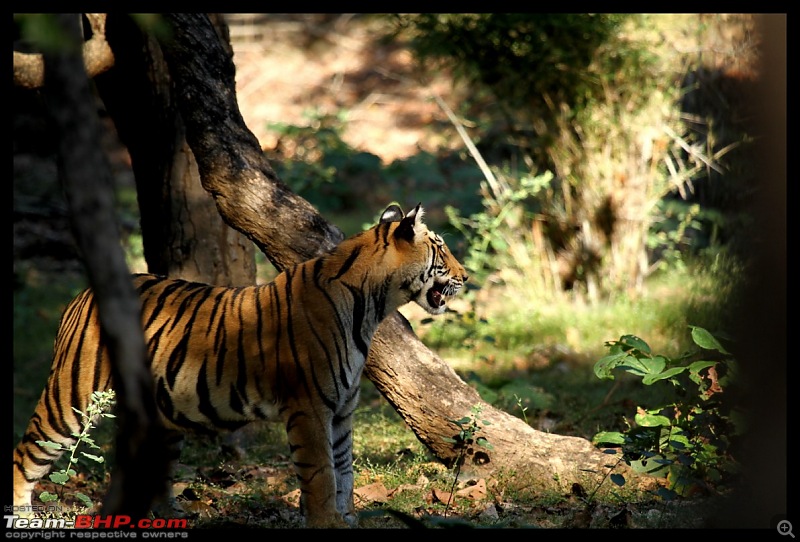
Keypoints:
(292, 350)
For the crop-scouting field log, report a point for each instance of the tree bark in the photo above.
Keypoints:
(423, 389)
(183, 235)
(97, 56)
(248, 194)
(141, 469)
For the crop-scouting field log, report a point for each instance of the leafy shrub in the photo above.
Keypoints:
(316, 160)
(524, 59)
(688, 442)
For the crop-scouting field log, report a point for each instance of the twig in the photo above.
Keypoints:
(497, 189)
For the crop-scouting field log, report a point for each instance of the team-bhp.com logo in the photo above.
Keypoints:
(86, 521)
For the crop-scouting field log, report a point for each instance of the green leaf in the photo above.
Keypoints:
(635, 342)
(650, 467)
(679, 442)
(618, 479)
(604, 367)
(669, 373)
(666, 494)
(97, 458)
(706, 340)
(84, 499)
(481, 441)
(634, 366)
(46, 496)
(698, 366)
(48, 444)
(656, 364)
(609, 437)
(60, 478)
(651, 420)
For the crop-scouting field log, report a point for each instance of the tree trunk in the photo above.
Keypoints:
(425, 391)
(141, 469)
(183, 235)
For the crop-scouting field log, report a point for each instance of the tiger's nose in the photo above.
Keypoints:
(464, 277)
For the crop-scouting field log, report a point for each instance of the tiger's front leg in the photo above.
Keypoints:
(312, 456)
(342, 430)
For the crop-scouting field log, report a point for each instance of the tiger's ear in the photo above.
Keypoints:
(393, 213)
(409, 225)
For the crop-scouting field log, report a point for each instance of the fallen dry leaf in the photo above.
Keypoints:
(239, 488)
(375, 492)
(199, 508)
(474, 492)
(437, 495)
(293, 497)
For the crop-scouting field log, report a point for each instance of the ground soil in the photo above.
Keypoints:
(289, 66)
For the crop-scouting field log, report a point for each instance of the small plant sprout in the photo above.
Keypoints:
(99, 406)
(464, 442)
(521, 407)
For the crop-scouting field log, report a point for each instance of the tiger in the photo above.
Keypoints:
(290, 351)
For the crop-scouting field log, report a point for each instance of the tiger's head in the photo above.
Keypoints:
(431, 274)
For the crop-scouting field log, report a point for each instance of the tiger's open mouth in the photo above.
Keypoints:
(436, 295)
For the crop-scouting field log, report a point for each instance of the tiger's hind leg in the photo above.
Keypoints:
(32, 460)
(167, 505)
(80, 367)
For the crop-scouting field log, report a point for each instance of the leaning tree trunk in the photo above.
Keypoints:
(423, 389)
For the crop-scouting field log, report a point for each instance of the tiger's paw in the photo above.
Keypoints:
(333, 521)
(352, 520)
(169, 508)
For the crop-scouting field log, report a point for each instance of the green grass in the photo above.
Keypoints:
(508, 322)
